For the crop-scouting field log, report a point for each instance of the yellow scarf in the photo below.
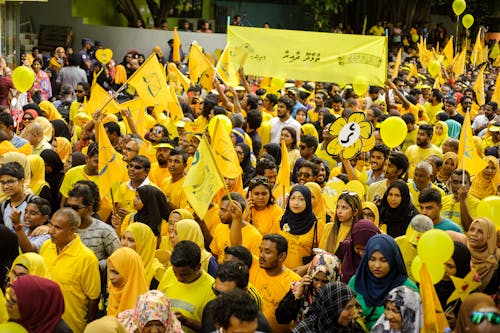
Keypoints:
(37, 166)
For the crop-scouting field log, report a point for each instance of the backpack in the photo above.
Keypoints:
(63, 109)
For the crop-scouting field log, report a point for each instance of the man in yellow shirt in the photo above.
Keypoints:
(423, 149)
(272, 279)
(434, 105)
(74, 267)
(159, 169)
(172, 186)
(188, 287)
(422, 180)
(377, 30)
(234, 230)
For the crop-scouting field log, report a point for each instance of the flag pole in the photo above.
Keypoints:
(467, 117)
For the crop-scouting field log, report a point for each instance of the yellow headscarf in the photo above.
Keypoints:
(184, 213)
(50, 110)
(481, 187)
(145, 246)
(6, 146)
(63, 148)
(320, 209)
(34, 263)
(371, 206)
(478, 143)
(105, 324)
(129, 264)
(447, 156)
(37, 166)
(46, 126)
(190, 230)
(438, 140)
(309, 129)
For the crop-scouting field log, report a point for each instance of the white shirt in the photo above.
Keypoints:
(277, 125)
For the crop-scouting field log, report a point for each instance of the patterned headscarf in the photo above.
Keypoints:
(410, 306)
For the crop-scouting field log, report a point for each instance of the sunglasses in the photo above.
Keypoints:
(305, 174)
(477, 317)
(259, 181)
(135, 166)
(302, 147)
(74, 207)
(28, 118)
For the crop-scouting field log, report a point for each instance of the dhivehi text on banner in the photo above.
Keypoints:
(312, 56)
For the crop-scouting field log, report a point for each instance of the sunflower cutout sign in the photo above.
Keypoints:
(351, 136)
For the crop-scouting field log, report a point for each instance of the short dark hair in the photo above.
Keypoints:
(241, 253)
(436, 93)
(13, 169)
(181, 152)
(236, 197)
(253, 101)
(42, 204)
(272, 98)
(264, 164)
(382, 149)
(93, 149)
(309, 141)
(408, 118)
(254, 119)
(6, 119)
(287, 101)
(143, 160)
(234, 271)
(311, 165)
(428, 129)
(462, 172)
(336, 99)
(237, 303)
(186, 254)
(399, 160)
(112, 128)
(82, 192)
(429, 195)
(451, 100)
(95, 192)
(280, 241)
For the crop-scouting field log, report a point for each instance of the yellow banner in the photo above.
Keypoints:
(314, 56)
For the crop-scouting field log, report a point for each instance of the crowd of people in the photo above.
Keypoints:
(146, 262)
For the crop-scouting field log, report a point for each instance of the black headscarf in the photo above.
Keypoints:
(299, 224)
(10, 251)
(274, 150)
(462, 257)
(61, 129)
(155, 208)
(246, 164)
(55, 177)
(397, 219)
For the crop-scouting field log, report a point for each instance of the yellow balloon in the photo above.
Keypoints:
(435, 246)
(458, 6)
(436, 271)
(467, 21)
(490, 207)
(393, 131)
(357, 187)
(434, 68)
(360, 87)
(104, 55)
(23, 78)
(332, 191)
(415, 38)
(223, 121)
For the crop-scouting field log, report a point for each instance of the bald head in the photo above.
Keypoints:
(34, 133)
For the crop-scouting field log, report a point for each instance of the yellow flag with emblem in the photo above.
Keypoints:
(469, 158)
(479, 87)
(200, 67)
(150, 82)
(137, 108)
(448, 50)
(225, 69)
(282, 186)
(224, 152)
(100, 98)
(174, 107)
(203, 179)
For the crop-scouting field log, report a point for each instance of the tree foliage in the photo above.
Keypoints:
(324, 11)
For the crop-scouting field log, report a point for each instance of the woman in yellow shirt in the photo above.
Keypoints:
(299, 226)
(348, 212)
(289, 135)
(261, 211)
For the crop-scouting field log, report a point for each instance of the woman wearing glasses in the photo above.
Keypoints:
(261, 211)
(470, 315)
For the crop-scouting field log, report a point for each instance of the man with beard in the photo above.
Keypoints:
(272, 279)
(423, 149)
(396, 168)
(159, 169)
(82, 92)
(234, 230)
(284, 118)
(172, 186)
(378, 157)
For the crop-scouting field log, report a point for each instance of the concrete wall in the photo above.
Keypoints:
(119, 39)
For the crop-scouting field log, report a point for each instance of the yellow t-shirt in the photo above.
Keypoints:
(325, 157)
(188, 298)
(432, 110)
(453, 212)
(299, 246)
(445, 201)
(125, 197)
(267, 221)
(157, 175)
(376, 30)
(343, 233)
(411, 109)
(174, 192)
(411, 138)
(416, 154)
(251, 239)
(72, 176)
(76, 270)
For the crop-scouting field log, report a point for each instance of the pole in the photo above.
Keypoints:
(456, 35)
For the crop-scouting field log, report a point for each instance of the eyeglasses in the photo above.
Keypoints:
(28, 118)
(302, 147)
(477, 317)
(157, 131)
(305, 174)
(135, 166)
(74, 207)
(9, 182)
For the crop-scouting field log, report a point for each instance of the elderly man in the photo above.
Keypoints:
(34, 134)
(74, 267)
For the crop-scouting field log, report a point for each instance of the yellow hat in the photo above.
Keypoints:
(163, 145)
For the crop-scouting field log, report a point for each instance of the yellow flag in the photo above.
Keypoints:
(397, 63)
(137, 108)
(413, 71)
(477, 52)
(203, 179)
(150, 82)
(469, 159)
(224, 152)
(112, 169)
(448, 50)
(183, 79)
(225, 69)
(434, 317)
(496, 93)
(176, 48)
(479, 87)
(98, 98)
(495, 51)
(198, 62)
(207, 79)
(459, 63)
(174, 107)
(282, 186)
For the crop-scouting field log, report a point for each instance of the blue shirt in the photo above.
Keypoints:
(447, 224)
(18, 142)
